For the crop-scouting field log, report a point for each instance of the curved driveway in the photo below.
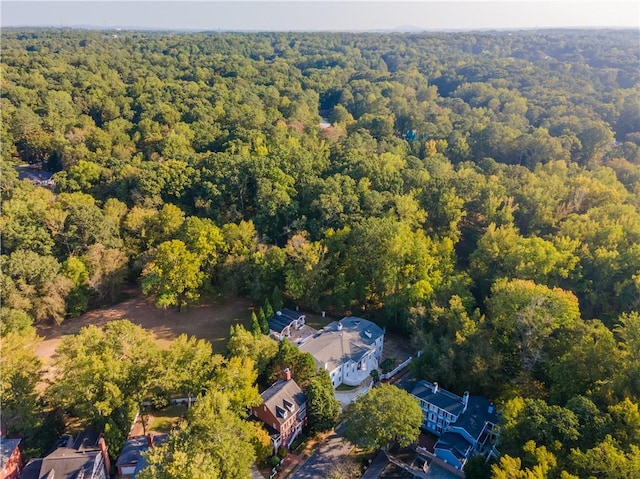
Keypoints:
(320, 462)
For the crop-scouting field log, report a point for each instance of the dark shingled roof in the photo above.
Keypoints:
(442, 398)
(476, 415)
(285, 317)
(455, 443)
(70, 460)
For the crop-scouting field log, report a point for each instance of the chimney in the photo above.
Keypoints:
(340, 326)
(287, 374)
(435, 388)
(465, 400)
(150, 440)
(491, 408)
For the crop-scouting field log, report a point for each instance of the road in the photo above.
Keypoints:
(324, 457)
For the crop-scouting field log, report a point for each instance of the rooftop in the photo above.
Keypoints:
(479, 412)
(70, 460)
(283, 398)
(442, 398)
(283, 318)
(341, 341)
(454, 442)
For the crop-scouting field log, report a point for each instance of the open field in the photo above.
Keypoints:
(207, 321)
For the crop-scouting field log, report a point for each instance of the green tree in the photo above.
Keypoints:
(268, 309)
(173, 276)
(607, 461)
(237, 379)
(276, 299)
(323, 408)
(98, 371)
(262, 349)
(263, 321)
(214, 443)
(189, 363)
(20, 370)
(256, 329)
(383, 415)
(302, 365)
(534, 420)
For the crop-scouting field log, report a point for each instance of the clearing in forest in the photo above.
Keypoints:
(210, 321)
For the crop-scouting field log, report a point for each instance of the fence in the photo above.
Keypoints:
(398, 368)
(439, 462)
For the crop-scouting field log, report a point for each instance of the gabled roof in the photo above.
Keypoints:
(455, 443)
(70, 460)
(283, 318)
(442, 398)
(284, 398)
(342, 341)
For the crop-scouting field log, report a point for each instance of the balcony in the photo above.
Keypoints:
(356, 377)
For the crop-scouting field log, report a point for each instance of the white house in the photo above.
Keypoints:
(348, 349)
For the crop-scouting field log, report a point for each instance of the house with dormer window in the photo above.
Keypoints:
(283, 411)
(348, 349)
(466, 426)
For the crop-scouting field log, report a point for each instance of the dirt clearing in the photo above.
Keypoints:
(207, 321)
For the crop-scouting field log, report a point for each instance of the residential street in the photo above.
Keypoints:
(328, 453)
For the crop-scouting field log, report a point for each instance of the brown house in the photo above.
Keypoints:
(283, 410)
(11, 462)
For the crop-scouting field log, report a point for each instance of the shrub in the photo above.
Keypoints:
(282, 452)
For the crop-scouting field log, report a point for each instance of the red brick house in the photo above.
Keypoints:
(11, 462)
(283, 410)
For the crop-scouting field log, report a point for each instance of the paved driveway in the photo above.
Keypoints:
(320, 462)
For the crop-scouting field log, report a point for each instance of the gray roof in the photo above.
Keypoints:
(7, 446)
(455, 443)
(70, 460)
(442, 398)
(283, 318)
(333, 347)
(70, 464)
(477, 415)
(132, 451)
(283, 399)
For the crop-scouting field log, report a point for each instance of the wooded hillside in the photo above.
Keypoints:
(479, 192)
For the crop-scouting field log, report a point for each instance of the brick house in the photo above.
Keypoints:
(283, 411)
(11, 462)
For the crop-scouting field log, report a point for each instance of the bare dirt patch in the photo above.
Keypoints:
(210, 321)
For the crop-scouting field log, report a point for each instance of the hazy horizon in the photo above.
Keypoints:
(321, 15)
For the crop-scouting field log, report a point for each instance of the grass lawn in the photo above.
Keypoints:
(210, 320)
(344, 387)
(161, 421)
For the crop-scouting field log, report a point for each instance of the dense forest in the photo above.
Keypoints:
(476, 192)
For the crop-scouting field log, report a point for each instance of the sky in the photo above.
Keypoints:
(303, 15)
